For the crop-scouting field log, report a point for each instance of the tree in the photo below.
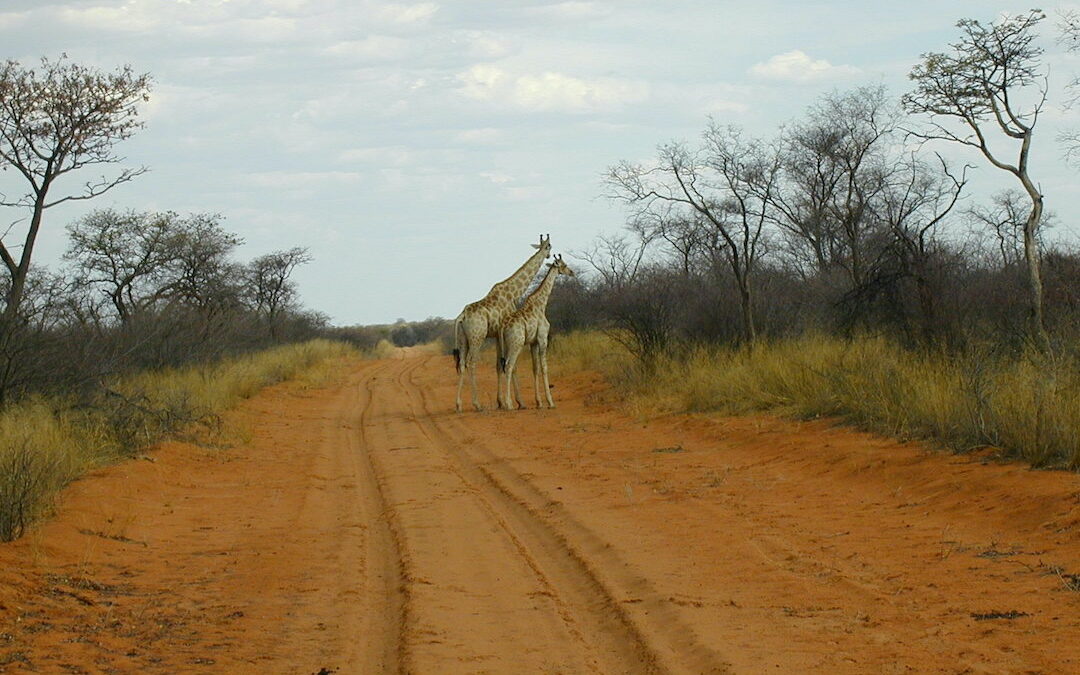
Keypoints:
(835, 167)
(1004, 219)
(269, 287)
(915, 202)
(60, 119)
(126, 254)
(728, 184)
(202, 275)
(991, 85)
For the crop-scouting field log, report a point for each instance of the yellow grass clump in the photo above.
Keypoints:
(1027, 406)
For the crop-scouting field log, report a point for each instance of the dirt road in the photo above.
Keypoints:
(366, 528)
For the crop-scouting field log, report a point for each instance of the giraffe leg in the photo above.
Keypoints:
(463, 365)
(536, 372)
(513, 351)
(503, 369)
(517, 388)
(544, 368)
(472, 381)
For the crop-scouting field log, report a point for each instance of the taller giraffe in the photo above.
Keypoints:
(481, 319)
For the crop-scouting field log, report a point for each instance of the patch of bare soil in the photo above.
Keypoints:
(367, 528)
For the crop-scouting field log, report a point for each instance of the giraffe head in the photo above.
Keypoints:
(561, 267)
(544, 245)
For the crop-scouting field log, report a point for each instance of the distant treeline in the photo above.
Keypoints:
(401, 333)
(143, 291)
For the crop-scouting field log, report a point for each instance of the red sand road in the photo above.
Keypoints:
(366, 528)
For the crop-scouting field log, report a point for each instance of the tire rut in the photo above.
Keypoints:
(650, 639)
(386, 560)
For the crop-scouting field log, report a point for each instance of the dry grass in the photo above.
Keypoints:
(1028, 407)
(44, 444)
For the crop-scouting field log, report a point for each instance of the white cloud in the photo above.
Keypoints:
(482, 81)
(408, 13)
(550, 91)
(496, 177)
(128, 16)
(479, 136)
(726, 106)
(796, 66)
(395, 155)
(371, 48)
(301, 180)
(11, 19)
(484, 45)
(554, 91)
(572, 11)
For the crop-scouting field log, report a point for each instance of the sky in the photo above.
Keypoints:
(418, 149)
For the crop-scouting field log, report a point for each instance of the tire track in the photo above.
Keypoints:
(577, 556)
(480, 596)
(648, 640)
(587, 639)
(386, 560)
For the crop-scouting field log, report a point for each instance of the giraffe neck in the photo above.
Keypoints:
(517, 282)
(538, 299)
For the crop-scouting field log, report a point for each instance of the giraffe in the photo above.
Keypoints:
(481, 319)
(528, 325)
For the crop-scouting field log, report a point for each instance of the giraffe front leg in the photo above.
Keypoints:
(472, 381)
(544, 369)
(517, 389)
(536, 372)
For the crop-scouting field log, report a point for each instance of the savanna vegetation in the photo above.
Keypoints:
(149, 327)
(854, 264)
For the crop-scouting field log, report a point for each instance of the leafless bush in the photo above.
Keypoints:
(27, 477)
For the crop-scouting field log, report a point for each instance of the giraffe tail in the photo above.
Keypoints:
(457, 344)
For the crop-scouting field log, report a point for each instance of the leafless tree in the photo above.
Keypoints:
(269, 287)
(1003, 218)
(126, 254)
(913, 206)
(727, 183)
(202, 273)
(991, 87)
(615, 258)
(55, 120)
(834, 168)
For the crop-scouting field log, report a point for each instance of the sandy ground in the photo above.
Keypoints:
(366, 528)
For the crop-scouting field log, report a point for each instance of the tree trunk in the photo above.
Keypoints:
(18, 275)
(1037, 327)
(747, 307)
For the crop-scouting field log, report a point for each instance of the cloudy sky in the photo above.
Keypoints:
(417, 149)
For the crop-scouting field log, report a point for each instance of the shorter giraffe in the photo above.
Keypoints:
(529, 326)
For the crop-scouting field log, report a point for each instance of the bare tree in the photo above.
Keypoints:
(834, 168)
(913, 206)
(1004, 220)
(268, 282)
(991, 85)
(202, 274)
(60, 119)
(126, 254)
(727, 183)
